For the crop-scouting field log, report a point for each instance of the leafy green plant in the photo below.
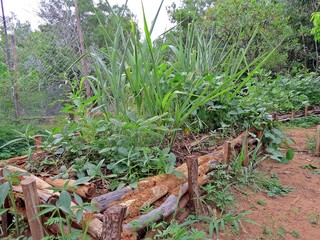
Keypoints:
(261, 202)
(274, 138)
(295, 234)
(63, 212)
(7, 192)
(304, 122)
(176, 231)
(273, 187)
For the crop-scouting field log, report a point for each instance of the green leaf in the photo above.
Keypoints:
(4, 191)
(82, 181)
(78, 199)
(65, 200)
(290, 154)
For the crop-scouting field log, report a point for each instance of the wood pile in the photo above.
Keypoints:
(168, 194)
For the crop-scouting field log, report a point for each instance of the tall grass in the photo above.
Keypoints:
(177, 78)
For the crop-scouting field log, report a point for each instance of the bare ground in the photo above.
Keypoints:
(294, 216)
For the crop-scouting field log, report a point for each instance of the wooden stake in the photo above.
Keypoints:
(318, 142)
(259, 135)
(275, 116)
(293, 114)
(37, 143)
(193, 186)
(226, 152)
(246, 160)
(31, 200)
(6, 218)
(112, 222)
(306, 111)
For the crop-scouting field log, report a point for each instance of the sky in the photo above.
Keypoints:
(26, 10)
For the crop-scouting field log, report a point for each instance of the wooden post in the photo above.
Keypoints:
(6, 218)
(112, 222)
(259, 135)
(32, 201)
(275, 116)
(246, 160)
(37, 142)
(226, 152)
(293, 113)
(318, 142)
(306, 111)
(193, 186)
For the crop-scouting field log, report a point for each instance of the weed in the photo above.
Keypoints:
(262, 202)
(146, 209)
(304, 122)
(314, 218)
(273, 187)
(311, 142)
(295, 234)
(281, 232)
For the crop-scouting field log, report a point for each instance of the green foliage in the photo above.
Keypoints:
(124, 148)
(217, 190)
(176, 231)
(273, 188)
(6, 191)
(304, 122)
(274, 138)
(315, 18)
(63, 211)
(15, 139)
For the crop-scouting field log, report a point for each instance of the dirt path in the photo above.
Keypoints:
(294, 216)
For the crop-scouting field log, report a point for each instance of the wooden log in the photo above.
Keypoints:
(56, 229)
(41, 184)
(43, 195)
(112, 222)
(31, 201)
(95, 225)
(275, 116)
(245, 149)
(193, 187)
(104, 201)
(6, 218)
(155, 215)
(163, 211)
(226, 152)
(318, 142)
(178, 214)
(153, 194)
(86, 190)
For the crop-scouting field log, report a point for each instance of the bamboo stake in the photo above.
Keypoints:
(31, 201)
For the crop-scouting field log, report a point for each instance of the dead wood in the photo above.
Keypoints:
(104, 201)
(86, 190)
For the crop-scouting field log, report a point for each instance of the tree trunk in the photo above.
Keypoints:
(8, 59)
(15, 84)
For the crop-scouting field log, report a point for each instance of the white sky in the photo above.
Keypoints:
(26, 11)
